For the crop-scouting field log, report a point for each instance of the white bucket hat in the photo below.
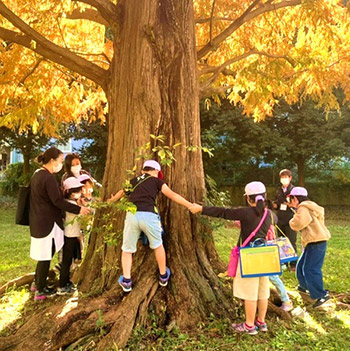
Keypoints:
(253, 188)
(72, 183)
(298, 191)
(154, 164)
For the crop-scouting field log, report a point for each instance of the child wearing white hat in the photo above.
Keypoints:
(72, 192)
(143, 194)
(309, 220)
(254, 291)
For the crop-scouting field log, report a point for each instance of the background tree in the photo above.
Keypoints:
(297, 136)
(258, 50)
(28, 143)
(311, 137)
(94, 148)
(241, 147)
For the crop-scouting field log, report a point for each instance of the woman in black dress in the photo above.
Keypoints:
(45, 218)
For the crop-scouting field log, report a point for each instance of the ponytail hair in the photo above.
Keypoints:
(51, 153)
(259, 199)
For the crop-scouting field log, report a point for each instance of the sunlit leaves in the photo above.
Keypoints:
(303, 51)
(292, 53)
(40, 94)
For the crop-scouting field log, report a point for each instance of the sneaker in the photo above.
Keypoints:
(242, 328)
(164, 281)
(287, 306)
(33, 287)
(303, 290)
(321, 301)
(261, 326)
(71, 285)
(68, 289)
(127, 287)
(43, 294)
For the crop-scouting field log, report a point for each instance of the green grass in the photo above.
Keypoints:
(321, 330)
(317, 330)
(14, 246)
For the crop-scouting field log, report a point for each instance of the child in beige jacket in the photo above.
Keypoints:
(309, 220)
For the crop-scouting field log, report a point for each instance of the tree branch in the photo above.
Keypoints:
(219, 69)
(211, 23)
(206, 85)
(36, 42)
(284, 57)
(88, 14)
(30, 72)
(206, 92)
(106, 8)
(245, 17)
(222, 68)
(205, 20)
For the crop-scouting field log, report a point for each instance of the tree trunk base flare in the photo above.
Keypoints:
(108, 320)
(117, 313)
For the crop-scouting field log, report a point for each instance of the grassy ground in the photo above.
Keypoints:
(14, 246)
(312, 330)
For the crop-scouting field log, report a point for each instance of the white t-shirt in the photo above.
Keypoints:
(71, 224)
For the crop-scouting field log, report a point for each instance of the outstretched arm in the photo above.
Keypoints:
(175, 197)
(117, 196)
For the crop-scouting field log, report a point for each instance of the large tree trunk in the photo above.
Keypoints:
(26, 164)
(301, 170)
(153, 90)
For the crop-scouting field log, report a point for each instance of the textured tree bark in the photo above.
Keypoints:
(26, 164)
(153, 89)
(301, 170)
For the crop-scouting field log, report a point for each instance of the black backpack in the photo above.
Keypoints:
(22, 213)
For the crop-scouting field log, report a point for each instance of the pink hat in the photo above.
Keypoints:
(298, 191)
(84, 177)
(71, 183)
(154, 164)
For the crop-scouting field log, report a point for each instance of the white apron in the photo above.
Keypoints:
(41, 248)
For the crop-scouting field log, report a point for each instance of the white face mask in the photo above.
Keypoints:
(76, 196)
(57, 168)
(76, 170)
(285, 181)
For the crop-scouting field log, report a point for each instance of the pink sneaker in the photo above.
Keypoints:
(287, 306)
(261, 326)
(242, 328)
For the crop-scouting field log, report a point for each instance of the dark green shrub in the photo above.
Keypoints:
(13, 177)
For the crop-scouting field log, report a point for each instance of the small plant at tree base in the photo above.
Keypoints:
(100, 324)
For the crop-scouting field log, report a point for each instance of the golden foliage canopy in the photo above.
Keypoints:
(55, 56)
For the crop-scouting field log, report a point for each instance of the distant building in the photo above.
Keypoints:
(8, 156)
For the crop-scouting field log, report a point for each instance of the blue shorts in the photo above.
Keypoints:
(147, 222)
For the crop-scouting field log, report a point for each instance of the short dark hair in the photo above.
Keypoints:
(51, 153)
(69, 192)
(301, 198)
(146, 169)
(285, 172)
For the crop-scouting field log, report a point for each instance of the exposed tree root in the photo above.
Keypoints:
(342, 306)
(21, 281)
(277, 310)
